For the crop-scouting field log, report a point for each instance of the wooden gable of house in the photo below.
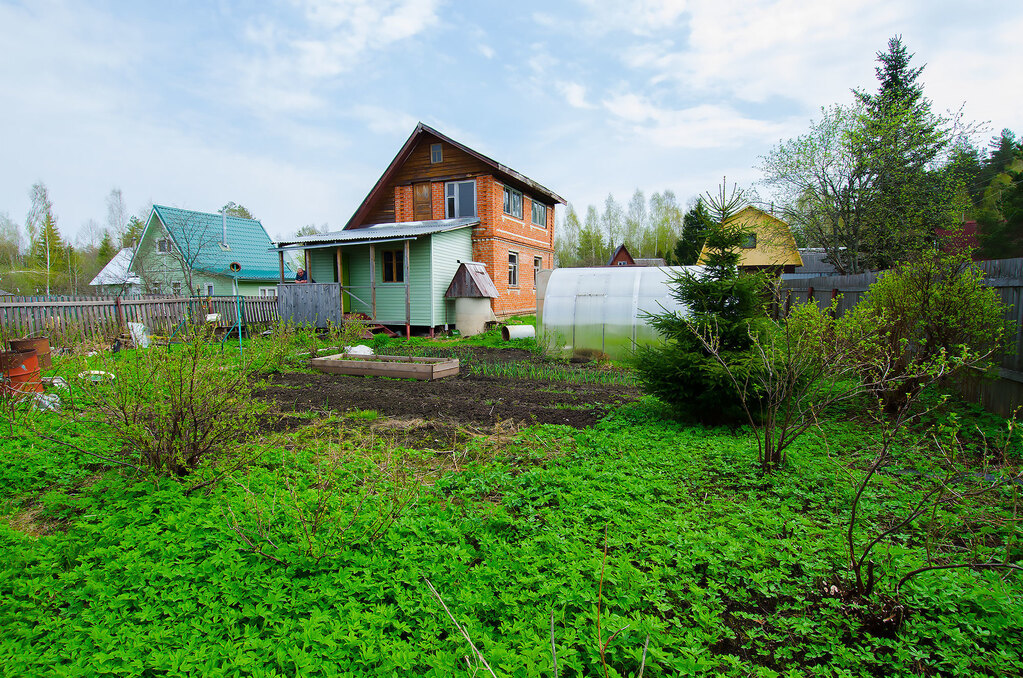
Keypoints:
(417, 170)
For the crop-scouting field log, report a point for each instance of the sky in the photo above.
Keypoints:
(293, 108)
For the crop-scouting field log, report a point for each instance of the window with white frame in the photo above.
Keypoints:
(460, 199)
(436, 153)
(176, 288)
(537, 265)
(513, 202)
(164, 246)
(209, 289)
(513, 269)
(156, 287)
(394, 266)
(539, 214)
(268, 291)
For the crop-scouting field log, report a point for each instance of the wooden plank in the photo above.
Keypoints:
(418, 369)
(281, 256)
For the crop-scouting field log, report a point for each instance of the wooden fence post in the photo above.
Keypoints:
(120, 314)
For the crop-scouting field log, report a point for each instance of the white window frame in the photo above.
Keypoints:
(509, 202)
(157, 287)
(209, 289)
(452, 193)
(176, 288)
(542, 209)
(436, 153)
(537, 267)
(513, 269)
(268, 291)
(164, 245)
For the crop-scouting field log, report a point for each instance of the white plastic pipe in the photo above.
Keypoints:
(509, 332)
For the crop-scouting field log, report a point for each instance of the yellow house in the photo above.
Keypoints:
(770, 246)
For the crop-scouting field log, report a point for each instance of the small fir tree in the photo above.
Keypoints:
(694, 230)
(720, 302)
(106, 250)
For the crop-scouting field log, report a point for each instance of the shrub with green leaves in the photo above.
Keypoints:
(933, 313)
(171, 409)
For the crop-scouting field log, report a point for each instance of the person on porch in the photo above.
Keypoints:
(301, 276)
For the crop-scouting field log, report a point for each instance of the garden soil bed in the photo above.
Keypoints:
(466, 399)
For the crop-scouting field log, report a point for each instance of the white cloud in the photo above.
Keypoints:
(640, 17)
(700, 126)
(574, 93)
(758, 49)
(384, 120)
(293, 65)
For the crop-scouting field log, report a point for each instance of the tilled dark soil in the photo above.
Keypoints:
(465, 399)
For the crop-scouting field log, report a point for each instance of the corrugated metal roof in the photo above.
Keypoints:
(814, 262)
(395, 231)
(117, 271)
(198, 236)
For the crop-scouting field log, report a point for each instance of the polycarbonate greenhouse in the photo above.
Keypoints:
(592, 311)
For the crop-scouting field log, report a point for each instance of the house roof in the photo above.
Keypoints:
(198, 236)
(617, 251)
(502, 171)
(407, 230)
(118, 270)
(653, 261)
(472, 280)
(815, 261)
(775, 245)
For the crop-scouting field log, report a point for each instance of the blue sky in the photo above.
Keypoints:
(294, 108)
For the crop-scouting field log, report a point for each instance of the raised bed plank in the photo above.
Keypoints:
(395, 367)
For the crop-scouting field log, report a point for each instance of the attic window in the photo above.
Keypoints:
(436, 155)
(459, 199)
(750, 242)
(163, 245)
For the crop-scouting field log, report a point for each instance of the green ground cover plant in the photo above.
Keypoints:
(314, 558)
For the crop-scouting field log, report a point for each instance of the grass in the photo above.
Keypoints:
(314, 559)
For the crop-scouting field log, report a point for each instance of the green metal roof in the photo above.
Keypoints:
(198, 237)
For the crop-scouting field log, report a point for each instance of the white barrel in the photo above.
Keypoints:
(509, 332)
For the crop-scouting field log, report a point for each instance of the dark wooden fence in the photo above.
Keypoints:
(68, 320)
(1003, 395)
(315, 304)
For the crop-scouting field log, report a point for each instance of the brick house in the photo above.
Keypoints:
(438, 203)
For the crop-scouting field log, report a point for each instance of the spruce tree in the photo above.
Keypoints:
(106, 250)
(722, 304)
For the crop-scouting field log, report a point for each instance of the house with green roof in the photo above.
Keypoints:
(184, 252)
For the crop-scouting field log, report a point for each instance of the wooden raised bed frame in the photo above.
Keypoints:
(396, 367)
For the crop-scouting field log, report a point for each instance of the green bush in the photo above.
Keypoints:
(171, 409)
(928, 316)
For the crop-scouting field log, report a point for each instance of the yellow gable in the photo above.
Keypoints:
(772, 243)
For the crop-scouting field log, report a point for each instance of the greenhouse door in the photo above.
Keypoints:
(589, 314)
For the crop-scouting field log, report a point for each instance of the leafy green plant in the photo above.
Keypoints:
(922, 311)
(170, 410)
